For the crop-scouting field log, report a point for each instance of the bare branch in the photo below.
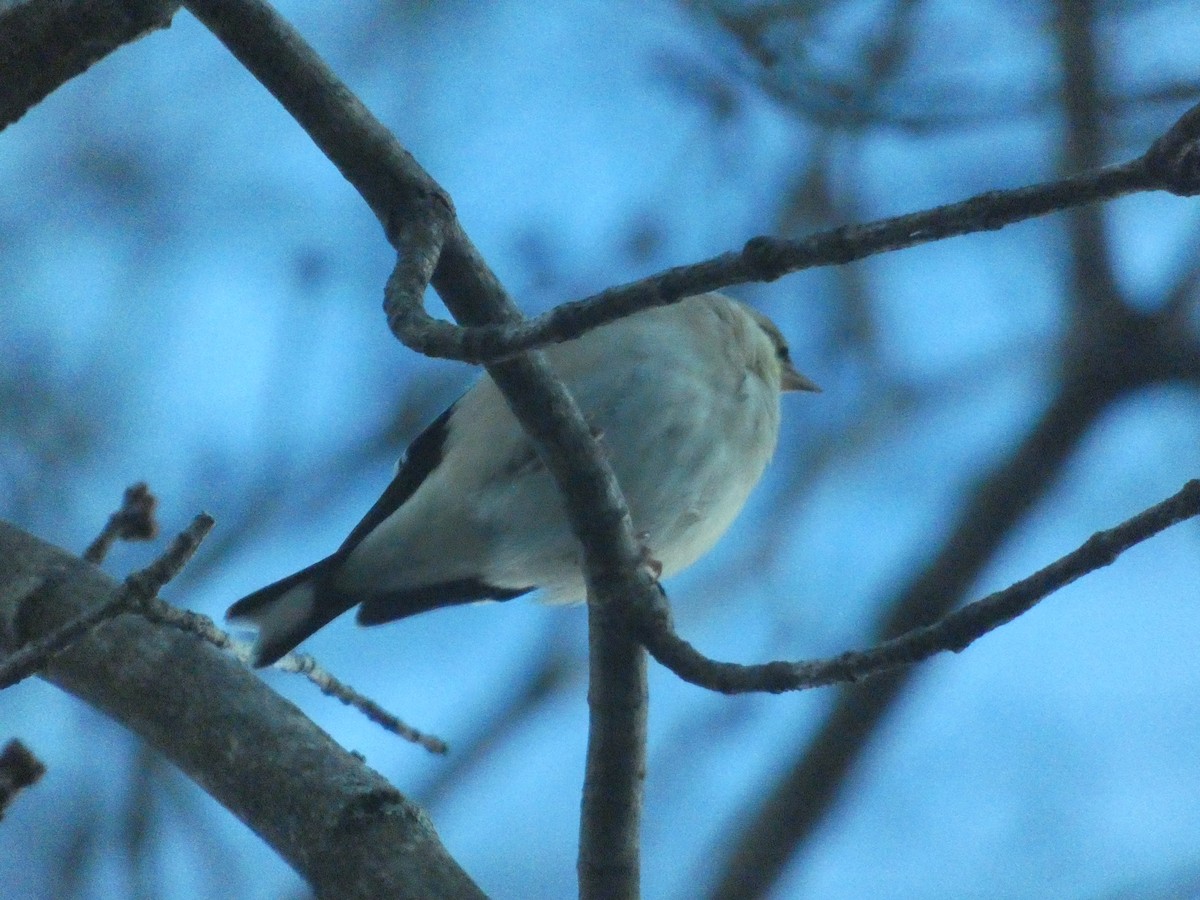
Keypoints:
(1172, 164)
(307, 666)
(420, 242)
(19, 769)
(955, 632)
(609, 830)
(137, 591)
(134, 521)
(398, 190)
(812, 782)
(340, 824)
(46, 43)
(203, 627)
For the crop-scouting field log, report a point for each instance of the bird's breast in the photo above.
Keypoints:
(688, 469)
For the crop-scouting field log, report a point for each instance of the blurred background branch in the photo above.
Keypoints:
(188, 297)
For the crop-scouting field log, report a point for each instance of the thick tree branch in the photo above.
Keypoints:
(954, 632)
(46, 43)
(136, 592)
(338, 823)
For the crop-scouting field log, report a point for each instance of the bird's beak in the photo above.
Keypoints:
(794, 381)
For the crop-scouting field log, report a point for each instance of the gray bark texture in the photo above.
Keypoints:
(340, 824)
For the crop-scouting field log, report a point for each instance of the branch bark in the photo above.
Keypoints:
(400, 192)
(341, 825)
(1171, 164)
(954, 632)
(804, 795)
(46, 43)
(135, 595)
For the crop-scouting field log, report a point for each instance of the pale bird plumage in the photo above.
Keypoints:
(685, 399)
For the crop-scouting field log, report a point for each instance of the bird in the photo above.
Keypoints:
(685, 402)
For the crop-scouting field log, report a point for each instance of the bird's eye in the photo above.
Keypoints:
(782, 352)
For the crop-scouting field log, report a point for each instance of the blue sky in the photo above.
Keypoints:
(184, 266)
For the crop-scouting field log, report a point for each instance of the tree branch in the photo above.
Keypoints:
(305, 665)
(341, 825)
(399, 191)
(1171, 164)
(954, 632)
(136, 592)
(803, 795)
(19, 769)
(46, 43)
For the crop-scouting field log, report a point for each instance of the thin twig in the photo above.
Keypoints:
(1171, 164)
(204, 628)
(955, 632)
(307, 666)
(134, 521)
(138, 589)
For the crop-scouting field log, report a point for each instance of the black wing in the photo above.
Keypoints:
(422, 457)
(424, 454)
(280, 631)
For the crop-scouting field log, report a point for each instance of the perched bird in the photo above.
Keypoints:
(685, 401)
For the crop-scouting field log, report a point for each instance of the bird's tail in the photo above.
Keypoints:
(291, 609)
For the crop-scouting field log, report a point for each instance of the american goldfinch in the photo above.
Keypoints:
(685, 402)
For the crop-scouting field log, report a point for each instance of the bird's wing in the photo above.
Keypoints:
(422, 457)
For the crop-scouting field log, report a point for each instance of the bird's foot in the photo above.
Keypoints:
(655, 567)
